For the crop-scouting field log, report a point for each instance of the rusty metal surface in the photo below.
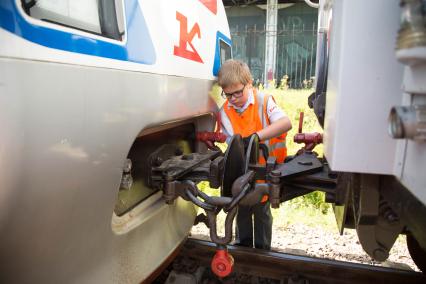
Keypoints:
(280, 266)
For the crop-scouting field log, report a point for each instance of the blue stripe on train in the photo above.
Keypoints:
(139, 47)
(216, 65)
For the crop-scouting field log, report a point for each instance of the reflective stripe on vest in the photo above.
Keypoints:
(276, 146)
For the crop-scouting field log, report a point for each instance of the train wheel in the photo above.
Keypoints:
(418, 254)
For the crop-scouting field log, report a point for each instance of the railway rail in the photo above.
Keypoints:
(257, 266)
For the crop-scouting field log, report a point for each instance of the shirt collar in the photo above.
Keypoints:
(250, 100)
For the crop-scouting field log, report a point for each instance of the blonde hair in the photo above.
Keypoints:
(234, 72)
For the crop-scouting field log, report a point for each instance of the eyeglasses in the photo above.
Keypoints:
(236, 94)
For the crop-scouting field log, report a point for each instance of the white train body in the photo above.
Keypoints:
(365, 80)
(371, 97)
(75, 95)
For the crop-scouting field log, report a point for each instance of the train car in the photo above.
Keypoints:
(371, 99)
(88, 89)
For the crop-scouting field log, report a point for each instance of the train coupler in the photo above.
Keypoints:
(242, 181)
(222, 262)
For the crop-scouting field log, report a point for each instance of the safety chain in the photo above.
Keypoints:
(212, 205)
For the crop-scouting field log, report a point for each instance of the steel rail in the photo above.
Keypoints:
(283, 266)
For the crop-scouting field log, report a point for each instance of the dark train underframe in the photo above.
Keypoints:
(377, 206)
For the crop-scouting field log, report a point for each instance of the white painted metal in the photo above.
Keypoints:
(410, 159)
(364, 82)
(271, 40)
(62, 149)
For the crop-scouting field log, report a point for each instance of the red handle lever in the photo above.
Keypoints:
(310, 139)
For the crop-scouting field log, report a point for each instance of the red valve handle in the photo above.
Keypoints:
(211, 136)
(222, 263)
(301, 115)
(310, 139)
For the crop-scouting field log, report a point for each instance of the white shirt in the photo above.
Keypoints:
(273, 111)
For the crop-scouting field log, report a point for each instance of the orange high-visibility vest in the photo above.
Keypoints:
(253, 119)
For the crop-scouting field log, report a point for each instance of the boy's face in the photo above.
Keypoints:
(239, 93)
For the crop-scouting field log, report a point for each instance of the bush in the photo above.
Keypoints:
(314, 200)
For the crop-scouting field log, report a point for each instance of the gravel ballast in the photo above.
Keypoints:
(315, 241)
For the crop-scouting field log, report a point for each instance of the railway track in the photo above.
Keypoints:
(256, 266)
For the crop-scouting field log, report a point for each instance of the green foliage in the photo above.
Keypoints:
(293, 102)
(204, 186)
(284, 83)
(292, 213)
(314, 200)
(215, 94)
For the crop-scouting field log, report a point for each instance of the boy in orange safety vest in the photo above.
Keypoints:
(247, 111)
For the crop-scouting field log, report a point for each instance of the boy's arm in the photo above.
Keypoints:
(275, 129)
(280, 123)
